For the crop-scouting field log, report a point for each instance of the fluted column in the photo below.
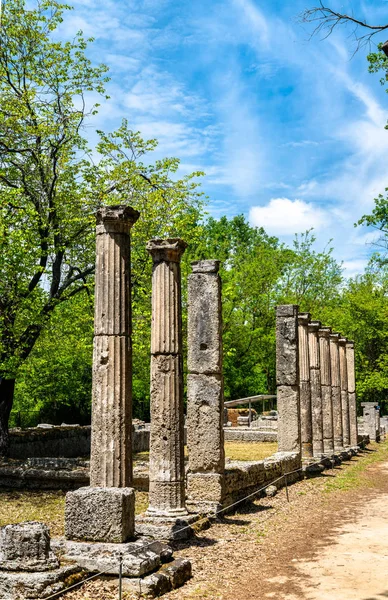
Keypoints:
(167, 473)
(336, 391)
(327, 402)
(315, 386)
(111, 449)
(287, 378)
(344, 391)
(205, 390)
(352, 393)
(304, 386)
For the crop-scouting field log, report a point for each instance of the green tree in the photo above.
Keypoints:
(50, 187)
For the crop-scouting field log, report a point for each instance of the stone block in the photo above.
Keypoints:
(31, 586)
(179, 571)
(164, 527)
(204, 346)
(287, 359)
(26, 547)
(205, 487)
(289, 433)
(205, 422)
(100, 514)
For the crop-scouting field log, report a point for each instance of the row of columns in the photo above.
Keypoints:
(321, 379)
(105, 510)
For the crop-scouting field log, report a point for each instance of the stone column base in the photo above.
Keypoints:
(21, 584)
(166, 528)
(100, 514)
(205, 492)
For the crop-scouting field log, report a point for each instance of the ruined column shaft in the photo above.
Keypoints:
(315, 385)
(344, 391)
(166, 475)
(205, 398)
(111, 448)
(304, 386)
(287, 378)
(352, 393)
(327, 402)
(336, 392)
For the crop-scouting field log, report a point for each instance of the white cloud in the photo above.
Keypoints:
(282, 216)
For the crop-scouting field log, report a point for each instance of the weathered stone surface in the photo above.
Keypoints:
(204, 347)
(352, 393)
(205, 439)
(26, 546)
(179, 571)
(167, 578)
(316, 388)
(205, 487)
(287, 359)
(250, 434)
(271, 491)
(111, 453)
(138, 558)
(344, 391)
(289, 418)
(100, 514)
(326, 395)
(165, 528)
(371, 425)
(336, 391)
(305, 392)
(166, 491)
(23, 586)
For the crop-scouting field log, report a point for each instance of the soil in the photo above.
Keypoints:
(328, 542)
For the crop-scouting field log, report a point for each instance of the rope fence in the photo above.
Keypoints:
(284, 476)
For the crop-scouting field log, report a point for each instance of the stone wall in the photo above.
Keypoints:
(67, 442)
(246, 434)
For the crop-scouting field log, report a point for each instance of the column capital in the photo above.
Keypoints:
(349, 343)
(205, 266)
(304, 318)
(342, 341)
(115, 219)
(334, 337)
(167, 250)
(314, 326)
(324, 332)
(287, 310)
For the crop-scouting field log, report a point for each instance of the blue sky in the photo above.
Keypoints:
(289, 131)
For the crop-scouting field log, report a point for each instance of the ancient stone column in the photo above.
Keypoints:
(344, 391)
(327, 402)
(304, 386)
(105, 510)
(352, 393)
(167, 468)
(371, 420)
(336, 392)
(315, 386)
(287, 378)
(205, 398)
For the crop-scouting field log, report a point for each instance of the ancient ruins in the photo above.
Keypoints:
(317, 422)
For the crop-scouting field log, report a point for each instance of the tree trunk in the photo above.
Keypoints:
(7, 387)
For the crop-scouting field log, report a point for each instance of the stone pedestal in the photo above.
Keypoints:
(327, 403)
(205, 398)
(315, 386)
(105, 511)
(344, 391)
(304, 383)
(166, 510)
(371, 417)
(352, 393)
(287, 378)
(336, 392)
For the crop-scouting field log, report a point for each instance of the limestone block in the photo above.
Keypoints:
(179, 571)
(204, 353)
(205, 422)
(26, 546)
(164, 527)
(23, 585)
(100, 514)
(205, 486)
(287, 359)
(289, 435)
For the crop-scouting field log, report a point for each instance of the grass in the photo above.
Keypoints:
(353, 475)
(49, 506)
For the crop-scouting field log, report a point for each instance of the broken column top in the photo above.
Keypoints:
(26, 547)
(169, 250)
(119, 218)
(287, 310)
(205, 266)
(304, 318)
